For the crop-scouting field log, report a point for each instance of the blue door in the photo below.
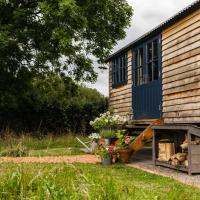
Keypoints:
(147, 83)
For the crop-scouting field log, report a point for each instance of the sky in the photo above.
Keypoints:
(147, 15)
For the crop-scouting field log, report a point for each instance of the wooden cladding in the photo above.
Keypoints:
(120, 98)
(181, 71)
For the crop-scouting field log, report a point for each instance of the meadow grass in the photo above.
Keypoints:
(55, 152)
(88, 182)
(48, 145)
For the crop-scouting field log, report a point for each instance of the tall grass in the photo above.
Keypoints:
(88, 182)
(43, 145)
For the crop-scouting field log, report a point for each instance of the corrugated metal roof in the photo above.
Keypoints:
(180, 15)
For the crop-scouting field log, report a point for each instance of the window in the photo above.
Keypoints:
(146, 62)
(139, 64)
(152, 60)
(119, 70)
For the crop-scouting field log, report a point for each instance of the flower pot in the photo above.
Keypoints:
(106, 161)
(107, 141)
(124, 155)
(113, 140)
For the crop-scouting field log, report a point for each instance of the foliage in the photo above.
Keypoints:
(105, 151)
(84, 108)
(50, 145)
(54, 103)
(44, 47)
(84, 182)
(107, 133)
(123, 140)
(18, 151)
(105, 121)
(42, 36)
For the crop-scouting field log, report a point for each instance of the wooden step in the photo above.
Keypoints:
(141, 121)
(130, 126)
(144, 136)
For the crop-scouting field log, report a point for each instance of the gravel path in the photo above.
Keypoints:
(91, 159)
(143, 161)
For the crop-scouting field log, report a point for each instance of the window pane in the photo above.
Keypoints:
(141, 56)
(155, 49)
(136, 67)
(124, 66)
(136, 77)
(141, 66)
(149, 52)
(117, 70)
(121, 69)
(141, 76)
(113, 71)
(136, 59)
(155, 70)
(150, 72)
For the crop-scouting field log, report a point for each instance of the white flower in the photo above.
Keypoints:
(94, 136)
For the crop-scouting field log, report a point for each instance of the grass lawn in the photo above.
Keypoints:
(45, 146)
(55, 152)
(88, 182)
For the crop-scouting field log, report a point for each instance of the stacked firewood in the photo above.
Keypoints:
(179, 159)
(182, 158)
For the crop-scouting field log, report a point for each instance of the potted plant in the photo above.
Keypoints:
(106, 124)
(122, 146)
(108, 135)
(105, 121)
(106, 153)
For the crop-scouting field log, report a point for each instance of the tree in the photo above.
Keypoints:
(53, 103)
(60, 35)
(47, 44)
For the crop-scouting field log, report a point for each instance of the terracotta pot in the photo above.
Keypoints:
(124, 155)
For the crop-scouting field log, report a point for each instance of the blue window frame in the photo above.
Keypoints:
(119, 70)
(147, 58)
(139, 66)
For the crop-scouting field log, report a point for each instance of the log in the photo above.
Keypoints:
(197, 140)
(184, 146)
(186, 163)
(181, 157)
(175, 162)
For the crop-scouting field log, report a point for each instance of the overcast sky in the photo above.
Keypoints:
(147, 15)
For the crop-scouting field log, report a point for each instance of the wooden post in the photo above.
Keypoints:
(189, 153)
(154, 148)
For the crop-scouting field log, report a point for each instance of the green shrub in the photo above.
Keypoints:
(52, 104)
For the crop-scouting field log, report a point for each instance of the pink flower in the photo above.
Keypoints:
(111, 148)
(127, 140)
